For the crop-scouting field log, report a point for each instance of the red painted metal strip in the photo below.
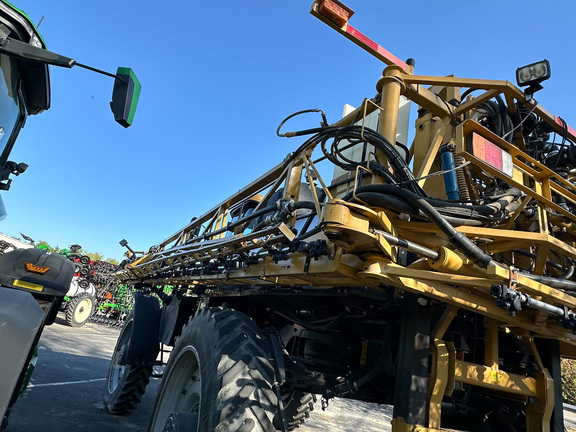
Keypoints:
(380, 52)
(570, 130)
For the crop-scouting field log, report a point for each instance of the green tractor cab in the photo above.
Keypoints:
(33, 282)
(25, 83)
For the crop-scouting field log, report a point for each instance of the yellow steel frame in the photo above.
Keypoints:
(365, 258)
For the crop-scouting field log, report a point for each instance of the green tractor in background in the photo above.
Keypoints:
(114, 303)
(33, 282)
(93, 295)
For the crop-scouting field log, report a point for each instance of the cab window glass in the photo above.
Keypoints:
(9, 107)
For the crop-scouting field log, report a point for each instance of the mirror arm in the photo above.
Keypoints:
(29, 52)
(93, 69)
(126, 87)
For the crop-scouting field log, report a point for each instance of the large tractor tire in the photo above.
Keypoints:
(80, 309)
(126, 384)
(220, 372)
(181, 422)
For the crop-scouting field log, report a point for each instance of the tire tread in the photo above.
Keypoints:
(70, 309)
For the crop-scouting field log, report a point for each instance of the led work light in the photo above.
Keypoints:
(533, 73)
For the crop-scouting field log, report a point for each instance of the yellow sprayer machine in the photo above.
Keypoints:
(436, 276)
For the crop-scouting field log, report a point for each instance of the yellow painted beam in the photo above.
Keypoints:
(495, 379)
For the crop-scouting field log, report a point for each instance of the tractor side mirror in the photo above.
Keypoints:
(125, 96)
(126, 86)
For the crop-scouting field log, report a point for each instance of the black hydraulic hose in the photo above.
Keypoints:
(484, 210)
(457, 221)
(239, 222)
(351, 136)
(291, 206)
(368, 377)
(457, 239)
(296, 205)
(319, 327)
(309, 142)
(493, 113)
(348, 386)
(310, 233)
(506, 122)
(355, 135)
(558, 283)
(534, 256)
(302, 132)
(568, 270)
(569, 273)
(396, 160)
(247, 218)
(401, 206)
(379, 169)
(468, 217)
(385, 201)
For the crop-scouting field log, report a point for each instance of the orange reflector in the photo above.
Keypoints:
(493, 155)
(335, 11)
(36, 269)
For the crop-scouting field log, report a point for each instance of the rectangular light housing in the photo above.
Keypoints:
(335, 11)
(533, 73)
(491, 154)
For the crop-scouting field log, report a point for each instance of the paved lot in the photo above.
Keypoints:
(68, 384)
(344, 415)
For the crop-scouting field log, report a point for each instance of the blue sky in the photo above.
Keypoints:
(217, 78)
